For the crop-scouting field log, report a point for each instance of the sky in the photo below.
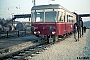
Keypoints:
(13, 7)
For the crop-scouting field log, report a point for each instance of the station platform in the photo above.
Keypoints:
(67, 49)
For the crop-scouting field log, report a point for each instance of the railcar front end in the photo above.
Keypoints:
(51, 21)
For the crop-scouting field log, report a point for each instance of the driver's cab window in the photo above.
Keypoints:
(39, 17)
(50, 16)
(45, 15)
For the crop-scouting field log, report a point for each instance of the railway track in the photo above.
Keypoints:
(28, 51)
(12, 54)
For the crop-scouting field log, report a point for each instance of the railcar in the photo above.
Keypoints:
(51, 21)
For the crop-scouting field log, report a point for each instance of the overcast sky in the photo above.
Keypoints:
(9, 7)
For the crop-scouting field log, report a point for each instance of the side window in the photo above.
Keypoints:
(60, 17)
(70, 19)
(59, 14)
(73, 19)
(64, 18)
(67, 18)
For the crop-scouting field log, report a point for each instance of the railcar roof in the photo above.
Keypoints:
(46, 6)
(50, 6)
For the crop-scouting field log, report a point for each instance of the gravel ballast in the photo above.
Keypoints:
(67, 49)
(5, 43)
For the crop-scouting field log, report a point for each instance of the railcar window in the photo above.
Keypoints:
(39, 16)
(64, 18)
(44, 16)
(60, 16)
(50, 16)
(67, 18)
(70, 18)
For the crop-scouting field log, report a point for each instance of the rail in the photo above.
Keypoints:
(28, 51)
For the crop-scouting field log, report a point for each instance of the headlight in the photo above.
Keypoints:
(38, 32)
(53, 32)
(35, 32)
(32, 28)
(51, 28)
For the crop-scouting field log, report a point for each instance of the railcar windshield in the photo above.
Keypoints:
(46, 15)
